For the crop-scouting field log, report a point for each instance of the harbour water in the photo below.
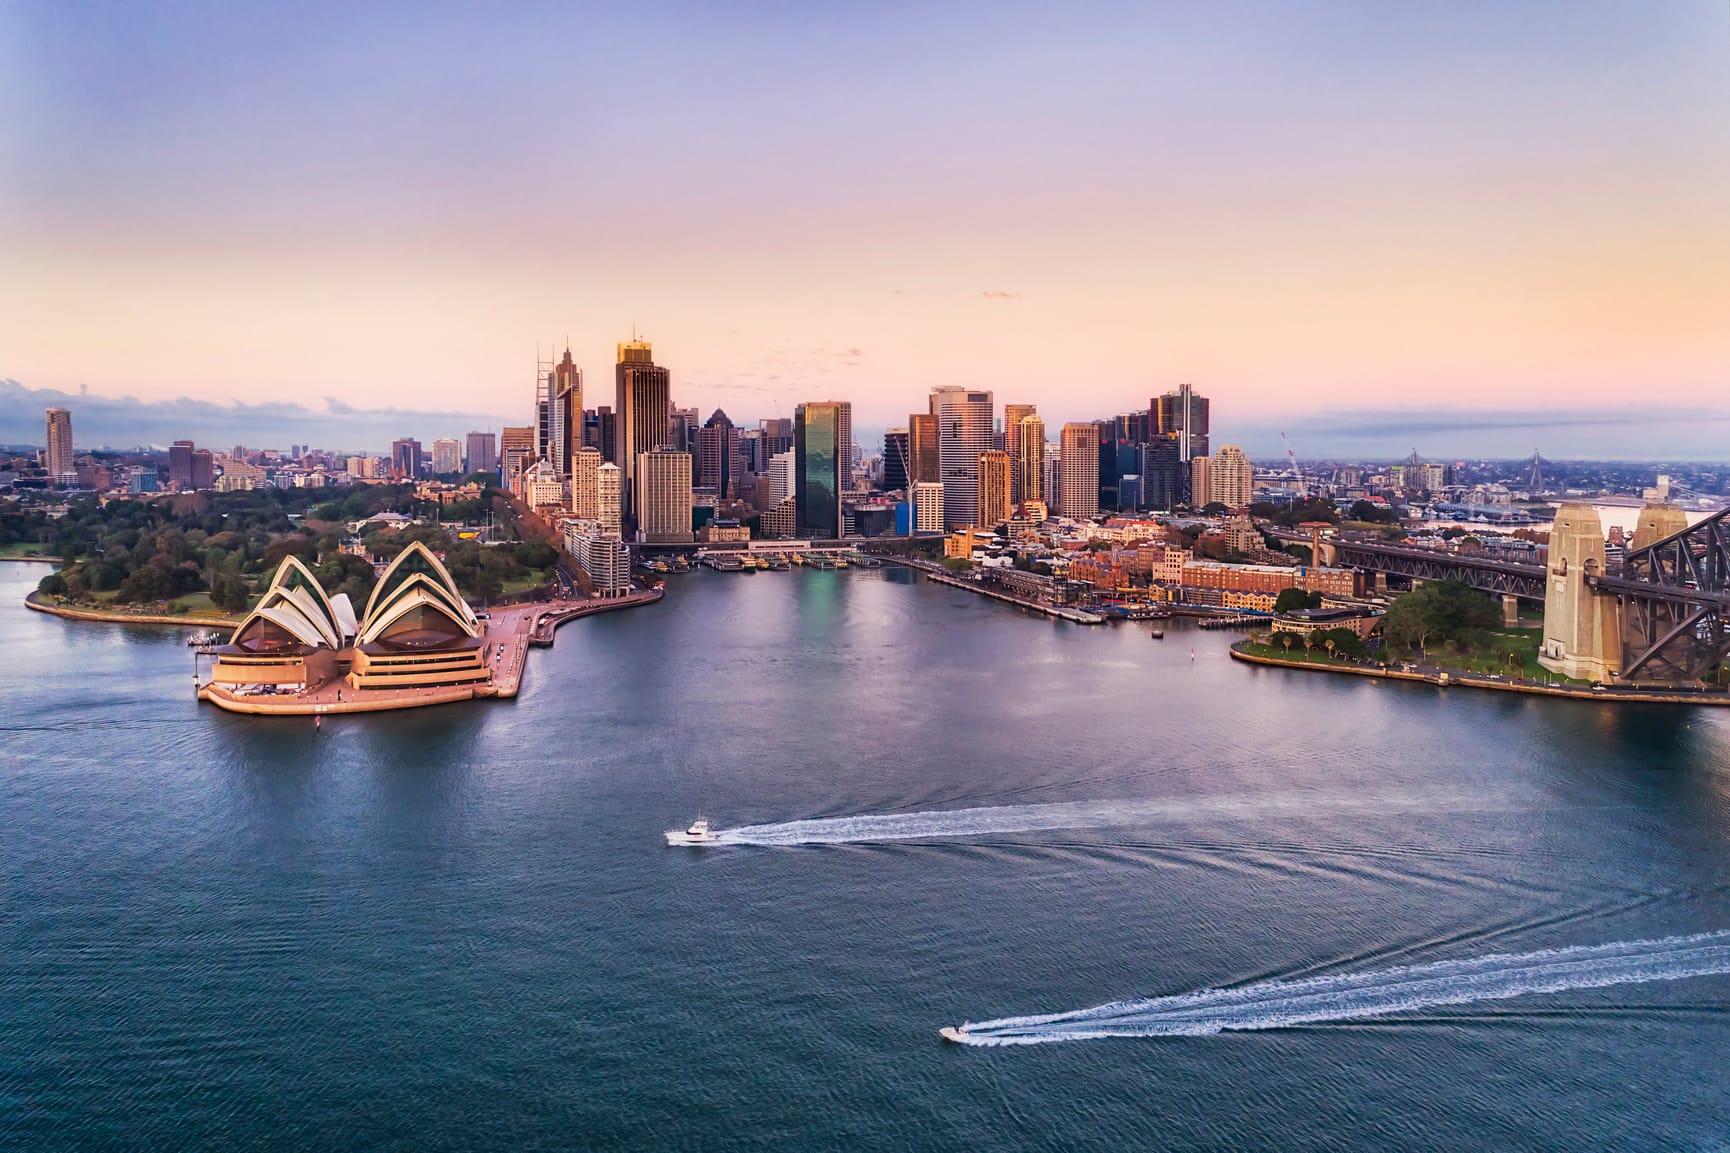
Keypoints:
(1433, 919)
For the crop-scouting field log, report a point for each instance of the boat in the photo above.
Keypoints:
(1157, 634)
(697, 834)
(955, 1033)
(201, 640)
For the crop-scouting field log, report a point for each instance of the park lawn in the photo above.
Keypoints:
(523, 584)
(28, 548)
(193, 604)
(1298, 653)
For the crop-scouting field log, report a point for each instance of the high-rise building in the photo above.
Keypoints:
(516, 450)
(1183, 412)
(543, 408)
(601, 430)
(896, 461)
(780, 478)
(447, 455)
(586, 484)
(609, 498)
(1013, 414)
(1231, 478)
(203, 469)
(565, 417)
(923, 461)
(994, 488)
(180, 465)
(682, 427)
(1078, 494)
(643, 407)
(662, 500)
(777, 438)
(1163, 476)
(927, 501)
(822, 469)
(718, 462)
(1200, 482)
(1028, 458)
(405, 458)
(964, 430)
(483, 453)
(61, 469)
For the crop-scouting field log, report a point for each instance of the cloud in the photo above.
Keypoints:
(1001, 295)
(126, 422)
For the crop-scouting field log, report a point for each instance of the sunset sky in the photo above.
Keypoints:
(1326, 215)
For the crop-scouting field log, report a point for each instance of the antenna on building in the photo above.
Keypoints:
(1535, 482)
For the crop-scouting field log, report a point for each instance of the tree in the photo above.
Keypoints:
(1286, 639)
(1439, 613)
(52, 585)
(1214, 508)
(1370, 513)
(1291, 600)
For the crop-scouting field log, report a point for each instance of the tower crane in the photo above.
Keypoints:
(1303, 486)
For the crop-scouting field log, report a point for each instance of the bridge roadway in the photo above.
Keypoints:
(1508, 578)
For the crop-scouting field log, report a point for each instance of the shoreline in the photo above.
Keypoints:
(940, 575)
(1473, 681)
(187, 620)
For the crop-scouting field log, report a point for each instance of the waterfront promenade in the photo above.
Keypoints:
(943, 576)
(511, 632)
(1454, 678)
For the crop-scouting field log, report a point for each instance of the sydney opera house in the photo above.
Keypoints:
(416, 632)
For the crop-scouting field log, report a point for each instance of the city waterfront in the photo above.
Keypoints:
(460, 928)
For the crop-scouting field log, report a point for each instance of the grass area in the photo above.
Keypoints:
(1298, 654)
(533, 580)
(193, 604)
(29, 548)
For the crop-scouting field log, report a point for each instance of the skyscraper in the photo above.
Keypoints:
(964, 430)
(994, 488)
(1013, 414)
(822, 465)
(1183, 412)
(180, 465)
(923, 462)
(1162, 473)
(718, 454)
(663, 497)
(1078, 494)
(483, 453)
(609, 497)
(1231, 477)
(1029, 458)
(447, 455)
(516, 450)
(586, 484)
(643, 407)
(61, 469)
(780, 477)
(565, 432)
(405, 458)
(896, 462)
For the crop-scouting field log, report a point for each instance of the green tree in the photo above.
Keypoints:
(1443, 612)
(1291, 600)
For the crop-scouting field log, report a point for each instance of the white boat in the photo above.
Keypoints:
(697, 834)
(953, 1033)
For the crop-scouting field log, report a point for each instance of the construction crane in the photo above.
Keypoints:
(1303, 487)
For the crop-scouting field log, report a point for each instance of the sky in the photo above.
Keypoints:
(1472, 228)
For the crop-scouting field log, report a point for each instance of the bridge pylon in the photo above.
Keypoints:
(1582, 628)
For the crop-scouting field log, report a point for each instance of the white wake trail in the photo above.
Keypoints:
(1375, 993)
(944, 823)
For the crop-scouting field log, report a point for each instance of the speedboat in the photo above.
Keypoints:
(697, 834)
(953, 1033)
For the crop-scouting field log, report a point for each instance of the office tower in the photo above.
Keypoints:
(780, 475)
(1078, 494)
(585, 484)
(447, 455)
(923, 462)
(565, 415)
(927, 501)
(239, 452)
(483, 453)
(718, 454)
(642, 407)
(1231, 478)
(964, 428)
(1163, 475)
(516, 450)
(543, 407)
(1028, 459)
(1013, 415)
(682, 430)
(61, 469)
(609, 498)
(777, 437)
(1053, 477)
(822, 472)
(1183, 412)
(1200, 482)
(405, 458)
(663, 497)
(203, 469)
(180, 465)
(994, 488)
(895, 460)
(601, 430)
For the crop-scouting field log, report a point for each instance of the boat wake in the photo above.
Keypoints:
(942, 824)
(1377, 993)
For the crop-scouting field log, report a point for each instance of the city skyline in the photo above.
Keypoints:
(1295, 207)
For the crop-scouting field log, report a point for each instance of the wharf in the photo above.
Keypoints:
(1448, 678)
(943, 576)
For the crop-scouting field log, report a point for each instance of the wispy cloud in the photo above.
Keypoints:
(126, 421)
(1001, 295)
